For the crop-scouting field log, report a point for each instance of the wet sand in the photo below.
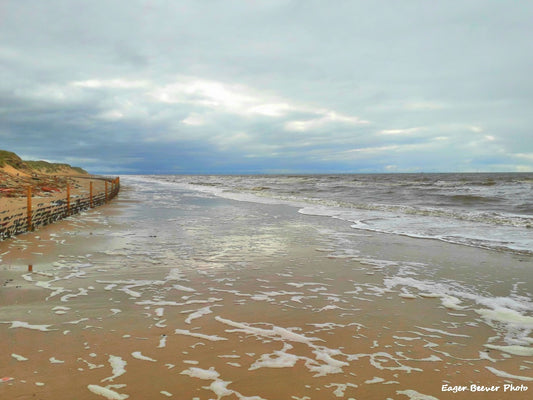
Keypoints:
(206, 298)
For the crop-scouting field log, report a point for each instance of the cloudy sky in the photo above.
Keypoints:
(273, 86)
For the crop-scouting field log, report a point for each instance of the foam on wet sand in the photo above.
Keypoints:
(107, 393)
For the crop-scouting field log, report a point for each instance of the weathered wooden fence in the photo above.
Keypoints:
(13, 222)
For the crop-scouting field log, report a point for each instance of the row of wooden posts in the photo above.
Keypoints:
(114, 184)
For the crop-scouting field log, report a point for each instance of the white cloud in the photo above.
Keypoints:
(206, 102)
(118, 83)
(406, 131)
(244, 101)
(379, 149)
(112, 115)
(272, 109)
(194, 119)
(206, 93)
(526, 156)
(302, 126)
(388, 149)
(324, 117)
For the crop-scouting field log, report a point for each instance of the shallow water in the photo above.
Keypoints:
(487, 210)
(173, 293)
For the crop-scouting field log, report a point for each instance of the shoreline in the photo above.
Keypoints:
(486, 213)
(207, 297)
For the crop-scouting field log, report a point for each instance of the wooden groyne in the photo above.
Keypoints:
(37, 214)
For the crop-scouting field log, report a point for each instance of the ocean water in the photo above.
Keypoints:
(486, 210)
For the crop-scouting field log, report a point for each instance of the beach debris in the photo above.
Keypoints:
(6, 379)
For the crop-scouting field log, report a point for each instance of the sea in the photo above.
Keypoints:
(487, 210)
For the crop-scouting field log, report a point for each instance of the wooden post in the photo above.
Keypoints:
(68, 199)
(91, 194)
(29, 208)
(106, 191)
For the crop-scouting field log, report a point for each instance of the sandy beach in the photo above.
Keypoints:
(208, 298)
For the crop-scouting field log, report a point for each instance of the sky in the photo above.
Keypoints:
(273, 86)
